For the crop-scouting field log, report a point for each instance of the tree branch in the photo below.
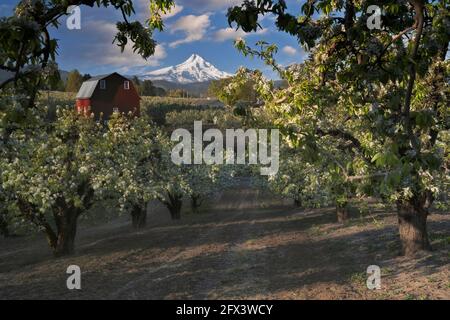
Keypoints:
(355, 143)
(419, 18)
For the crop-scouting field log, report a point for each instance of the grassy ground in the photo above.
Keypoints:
(245, 248)
(71, 96)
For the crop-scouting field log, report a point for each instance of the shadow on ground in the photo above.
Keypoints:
(240, 252)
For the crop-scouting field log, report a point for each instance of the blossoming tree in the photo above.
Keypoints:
(383, 92)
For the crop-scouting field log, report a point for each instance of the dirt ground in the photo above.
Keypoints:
(247, 248)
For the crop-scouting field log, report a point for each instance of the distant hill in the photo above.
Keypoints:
(197, 89)
(4, 75)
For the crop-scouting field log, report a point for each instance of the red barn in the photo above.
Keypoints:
(106, 94)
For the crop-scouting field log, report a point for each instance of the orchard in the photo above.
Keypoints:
(366, 114)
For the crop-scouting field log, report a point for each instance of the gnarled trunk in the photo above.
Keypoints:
(139, 217)
(174, 205)
(342, 212)
(66, 224)
(195, 203)
(175, 210)
(412, 225)
(62, 241)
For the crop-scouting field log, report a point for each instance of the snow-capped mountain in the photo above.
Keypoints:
(194, 69)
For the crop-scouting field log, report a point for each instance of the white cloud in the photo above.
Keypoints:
(228, 34)
(194, 28)
(113, 56)
(232, 34)
(175, 10)
(106, 53)
(290, 51)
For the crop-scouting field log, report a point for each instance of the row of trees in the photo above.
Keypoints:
(370, 104)
(147, 88)
(46, 166)
(245, 92)
(54, 171)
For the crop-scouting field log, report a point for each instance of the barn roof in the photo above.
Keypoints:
(88, 87)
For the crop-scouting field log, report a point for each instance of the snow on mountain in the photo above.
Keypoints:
(194, 69)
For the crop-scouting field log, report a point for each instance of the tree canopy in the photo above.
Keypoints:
(382, 94)
(74, 81)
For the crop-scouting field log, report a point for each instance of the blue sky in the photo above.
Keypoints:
(193, 26)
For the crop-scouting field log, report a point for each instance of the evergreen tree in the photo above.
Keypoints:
(74, 81)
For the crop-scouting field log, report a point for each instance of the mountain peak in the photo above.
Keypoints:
(196, 60)
(195, 57)
(194, 69)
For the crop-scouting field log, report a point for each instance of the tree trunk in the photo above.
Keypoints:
(4, 230)
(298, 203)
(195, 203)
(174, 207)
(412, 226)
(342, 212)
(67, 230)
(139, 217)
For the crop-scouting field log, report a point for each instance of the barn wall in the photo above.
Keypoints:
(115, 96)
(82, 105)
